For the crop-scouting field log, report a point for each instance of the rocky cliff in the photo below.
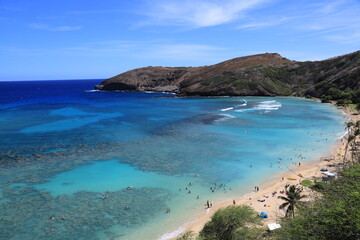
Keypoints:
(266, 74)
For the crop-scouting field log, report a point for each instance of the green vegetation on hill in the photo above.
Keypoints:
(342, 97)
(266, 74)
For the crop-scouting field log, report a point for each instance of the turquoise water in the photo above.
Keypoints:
(112, 163)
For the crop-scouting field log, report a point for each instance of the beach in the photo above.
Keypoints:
(265, 199)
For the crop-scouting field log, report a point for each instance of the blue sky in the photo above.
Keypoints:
(79, 39)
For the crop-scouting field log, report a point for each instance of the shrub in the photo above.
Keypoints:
(307, 183)
(231, 223)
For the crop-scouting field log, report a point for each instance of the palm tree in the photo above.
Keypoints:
(349, 139)
(292, 200)
(356, 134)
(349, 126)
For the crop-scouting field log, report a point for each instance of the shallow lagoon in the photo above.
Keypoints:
(63, 148)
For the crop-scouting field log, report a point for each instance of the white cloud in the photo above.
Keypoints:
(184, 51)
(345, 39)
(105, 11)
(148, 50)
(154, 51)
(334, 20)
(264, 24)
(198, 13)
(55, 29)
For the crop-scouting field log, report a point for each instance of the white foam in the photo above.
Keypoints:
(173, 234)
(342, 135)
(236, 106)
(226, 109)
(245, 110)
(244, 104)
(268, 105)
(170, 93)
(92, 90)
(227, 115)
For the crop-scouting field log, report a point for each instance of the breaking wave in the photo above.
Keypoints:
(267, 106)
(236, 107)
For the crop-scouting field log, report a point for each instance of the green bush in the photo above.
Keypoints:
(325, 99)
(232, 223)
(358, 106)
(343, 102)
(189, 235)
(307, 183)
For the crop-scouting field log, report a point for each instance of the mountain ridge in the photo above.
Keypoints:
(267, 74)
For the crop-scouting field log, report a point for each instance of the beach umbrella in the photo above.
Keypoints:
(330, 174)
(263, 215)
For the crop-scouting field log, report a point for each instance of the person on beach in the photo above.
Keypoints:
(208, 204)
(234, 202)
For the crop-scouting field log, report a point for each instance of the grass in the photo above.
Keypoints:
(352, 106)
(306, 183)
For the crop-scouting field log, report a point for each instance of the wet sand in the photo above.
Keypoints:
(263, 200)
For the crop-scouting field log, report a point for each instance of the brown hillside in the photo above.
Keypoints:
(266, 74)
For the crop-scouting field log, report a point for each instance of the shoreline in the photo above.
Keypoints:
(276, 183)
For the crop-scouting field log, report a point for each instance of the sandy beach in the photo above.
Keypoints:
(265, 200)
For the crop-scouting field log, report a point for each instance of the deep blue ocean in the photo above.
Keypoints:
(76, 163)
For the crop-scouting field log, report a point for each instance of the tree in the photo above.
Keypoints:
(349, 139)
(355, 145)
(349, 127)
(358, 107)
(232, 223)
(292, 200)
(189, 235)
